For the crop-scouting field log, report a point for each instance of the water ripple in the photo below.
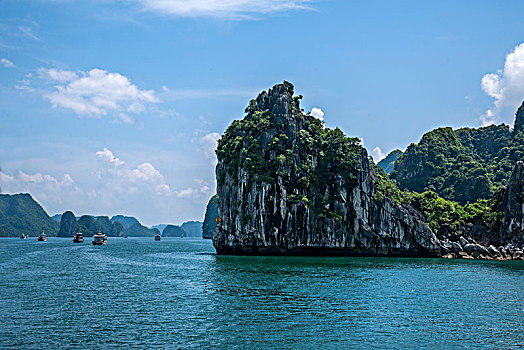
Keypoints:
(138, 293)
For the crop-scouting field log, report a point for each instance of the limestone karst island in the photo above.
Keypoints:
(288, 185)
(262, 174)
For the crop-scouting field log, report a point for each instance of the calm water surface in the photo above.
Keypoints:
(138, 293)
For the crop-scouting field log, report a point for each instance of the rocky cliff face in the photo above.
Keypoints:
(513, 208)
(519, 120)
(287, 185)
(173, 231)
(209, 226)
(68, 225)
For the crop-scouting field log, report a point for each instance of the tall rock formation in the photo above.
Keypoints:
(513, 208)
(173, 231)
(68, 225)
(192, 228)
(87, 225)
(519, 120)
(288, 185)
(21, 214)
(210, 226)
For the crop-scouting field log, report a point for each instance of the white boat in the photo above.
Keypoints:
(42, 237)
(100, 239)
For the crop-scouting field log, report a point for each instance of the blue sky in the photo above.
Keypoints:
(114, 107)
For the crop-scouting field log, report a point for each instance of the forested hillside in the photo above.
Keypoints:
(462, 165)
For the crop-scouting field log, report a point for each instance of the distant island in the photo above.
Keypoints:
(288, 185)
(21, 214)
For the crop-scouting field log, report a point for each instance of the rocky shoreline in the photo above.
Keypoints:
(466, 250)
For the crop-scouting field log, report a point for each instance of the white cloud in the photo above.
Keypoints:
(6, 63)
(42, 186)
(202, 190)
(28, 31)
(104, 182)
(506, 86)
(209, 144)
(58, 75)
(229, 9)
(317, 113)
(116, 173)
(378, 155)
(96, 92)
(107, 155)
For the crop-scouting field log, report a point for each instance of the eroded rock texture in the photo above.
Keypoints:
(287, 185)
(513, 208)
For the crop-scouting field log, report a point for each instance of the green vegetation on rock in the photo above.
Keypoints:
(462, 165)
(173, 231)
(306, 156)
(21, 214)
(446, 218)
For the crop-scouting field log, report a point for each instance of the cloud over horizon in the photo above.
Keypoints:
(506, 86)
(111, 187)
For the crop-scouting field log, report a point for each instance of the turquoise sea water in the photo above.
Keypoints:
(175, 293)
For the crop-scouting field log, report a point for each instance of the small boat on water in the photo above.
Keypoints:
(23, 236)
(78, 238)
(42, 237)
(100, 239)
(157, 237)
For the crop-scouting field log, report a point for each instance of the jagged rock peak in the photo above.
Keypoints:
(68, 225)
(287, 185)
(519, 119)
(278, 101)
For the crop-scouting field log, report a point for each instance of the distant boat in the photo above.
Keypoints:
(125, 236)
(78, 238)
(23, 236)
(100, 239)
(157, 237)
(42, 237)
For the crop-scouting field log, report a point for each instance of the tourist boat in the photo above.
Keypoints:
(78, 238)
(157, 237)
(42, 237)
(23, 236)
(100, 239)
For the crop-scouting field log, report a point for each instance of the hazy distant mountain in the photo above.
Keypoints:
(159, 227)
(132, 227)
(68, 224)
(88, 225)
(138, 230)
(388, 163)
(127, 221)
(20, 213)
(192, 228)
(173, 231)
